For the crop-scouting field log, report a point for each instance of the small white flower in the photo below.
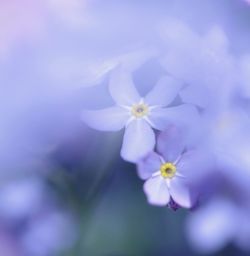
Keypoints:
(138, 115)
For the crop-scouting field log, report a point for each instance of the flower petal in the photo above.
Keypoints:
(148, 165)
(196, 165)
(170, 144)
(197, 95)
(183, 116)
(164, 92)
(156, 191)
(212, 227)
(181, 193)
(138, 141)
(122, 88)
(109, 119)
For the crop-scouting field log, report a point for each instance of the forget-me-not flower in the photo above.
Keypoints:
(170, 173)
(137, 114)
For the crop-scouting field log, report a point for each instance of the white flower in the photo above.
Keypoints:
(137, 114)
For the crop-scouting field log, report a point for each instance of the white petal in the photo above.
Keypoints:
(109, 119)
(171, 144)
(138, 141)
(197, 95)
(164, 92)
(156, 191)
(122, 88)
(148, 165)
(181, 193)
(196, 165)
(182, 116)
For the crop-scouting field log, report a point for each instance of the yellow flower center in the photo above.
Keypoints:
(139, 110)
(168, 170)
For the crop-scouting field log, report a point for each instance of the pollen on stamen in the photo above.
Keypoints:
(168, 170)
(139, 110)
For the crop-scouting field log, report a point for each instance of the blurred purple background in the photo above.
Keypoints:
(64, 189)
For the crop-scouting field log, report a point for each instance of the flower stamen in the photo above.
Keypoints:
(139, 110)
(168, 170)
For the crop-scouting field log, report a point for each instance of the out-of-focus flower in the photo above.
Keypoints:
(21, 198)
(169, 174)
(210, 228)
(215, 88)
(202, 62)
(137, 114)
(31, 215)
(217, 224)
(90, 71)
(49, 234)
(93, 73)
(225, 132)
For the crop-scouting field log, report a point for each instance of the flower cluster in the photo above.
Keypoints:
(142, 117)
(188, 133)
(171, 97)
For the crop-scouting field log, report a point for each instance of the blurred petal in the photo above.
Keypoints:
(216, 39)
(197, 95)
(148, 165)
(164, 92)
(109, 119)
(243, 232)
(181, 58)
(135, 59)
(187, 163)
(156, 191)
(180, 192)
(170, 144)
(138, 141)
(122, 88)
(183, 115)
(212, 227)
(195, 165)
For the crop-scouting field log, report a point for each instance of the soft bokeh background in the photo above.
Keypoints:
(63, 188)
